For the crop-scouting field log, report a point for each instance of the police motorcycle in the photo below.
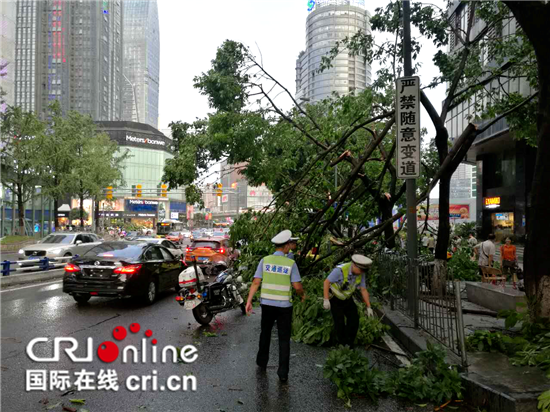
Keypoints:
(208, 299)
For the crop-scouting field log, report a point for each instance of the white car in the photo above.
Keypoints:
(62, 244)
(171, 246)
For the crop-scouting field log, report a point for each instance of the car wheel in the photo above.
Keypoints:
(243, 308)
(67, 254)
(81, 298)
(151, 293)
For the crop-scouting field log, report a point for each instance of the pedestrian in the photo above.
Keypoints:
(509, 260)
(485, 252)
(431, 244)
(472, 241)
(276, 274)
(342, 283)
(293, 245)
(425, 240)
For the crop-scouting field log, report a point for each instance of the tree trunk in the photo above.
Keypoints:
(443, 231)
(55, 207)
(20, 210)
(386, 209)
(55, 214)
(533, 18)
(81, 211)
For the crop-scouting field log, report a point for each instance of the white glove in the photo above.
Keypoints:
(369, 313)
(326, 304)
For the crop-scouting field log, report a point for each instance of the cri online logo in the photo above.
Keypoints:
(109, 351)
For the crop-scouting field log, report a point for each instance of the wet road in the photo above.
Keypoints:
(225, 371)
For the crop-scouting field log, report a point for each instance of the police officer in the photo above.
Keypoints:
(342, 283)
(293, 245)
(276, 274)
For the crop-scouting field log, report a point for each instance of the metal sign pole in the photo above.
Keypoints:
(408, 109)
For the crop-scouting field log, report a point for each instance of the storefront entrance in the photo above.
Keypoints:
(503, 225)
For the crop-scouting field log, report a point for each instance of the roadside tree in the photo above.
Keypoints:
(20, 156)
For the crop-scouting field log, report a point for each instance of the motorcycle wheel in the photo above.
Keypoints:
(243, 308)
(202, 315)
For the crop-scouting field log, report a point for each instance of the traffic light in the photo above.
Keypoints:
(138, 190)
(109, 192)
(158, 190)
(164, 190)
(134, 192)
(219, 190)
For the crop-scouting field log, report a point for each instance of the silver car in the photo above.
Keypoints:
(60, 245)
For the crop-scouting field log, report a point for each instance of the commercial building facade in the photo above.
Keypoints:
(141, 61)
(148, 150)
(330, 21)
(70, 51)
(504, 166)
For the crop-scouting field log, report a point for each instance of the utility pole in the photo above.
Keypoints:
(412, 239)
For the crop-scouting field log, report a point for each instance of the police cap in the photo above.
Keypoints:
(362, 262)
(282, 238)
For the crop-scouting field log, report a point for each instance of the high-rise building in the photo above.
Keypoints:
(70, 51)
(7, 52)
(141, 61)
(328, 22)
(503, 164)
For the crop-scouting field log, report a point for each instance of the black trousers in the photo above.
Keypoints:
(346, 320)
(283, 316)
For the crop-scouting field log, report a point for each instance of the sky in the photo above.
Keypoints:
(191, 31)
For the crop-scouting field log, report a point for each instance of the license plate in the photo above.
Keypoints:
(191, 304)
(34, 257)
(202, 259)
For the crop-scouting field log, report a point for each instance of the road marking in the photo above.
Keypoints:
(31, 286)
(396, 348)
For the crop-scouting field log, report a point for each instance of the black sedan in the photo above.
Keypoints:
(122, 269)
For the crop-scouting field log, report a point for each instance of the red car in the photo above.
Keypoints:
(176, 237)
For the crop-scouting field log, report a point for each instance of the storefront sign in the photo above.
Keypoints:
(455, 212)
(407, 109)
(174, 215)
(502, 216)
(491, 202)
(144, 140)
(62, 214)
(143, 202)
(225, 198)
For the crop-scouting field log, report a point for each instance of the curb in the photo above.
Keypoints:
(30, 277)
(492, 399)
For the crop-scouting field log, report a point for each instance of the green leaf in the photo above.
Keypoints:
(78, 401)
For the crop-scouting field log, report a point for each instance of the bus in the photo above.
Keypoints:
(169, 225)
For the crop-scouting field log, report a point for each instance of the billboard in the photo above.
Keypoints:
(455, 212)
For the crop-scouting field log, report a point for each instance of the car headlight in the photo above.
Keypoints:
(21, 252)
(55, 251)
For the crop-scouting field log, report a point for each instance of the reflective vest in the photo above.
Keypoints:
(276, 278)
(338, 291)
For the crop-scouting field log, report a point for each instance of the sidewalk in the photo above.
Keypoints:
(21, 278)
(491, 382)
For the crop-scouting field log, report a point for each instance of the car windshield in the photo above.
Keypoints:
(63, 239)
(118, 250)
(211, 245)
